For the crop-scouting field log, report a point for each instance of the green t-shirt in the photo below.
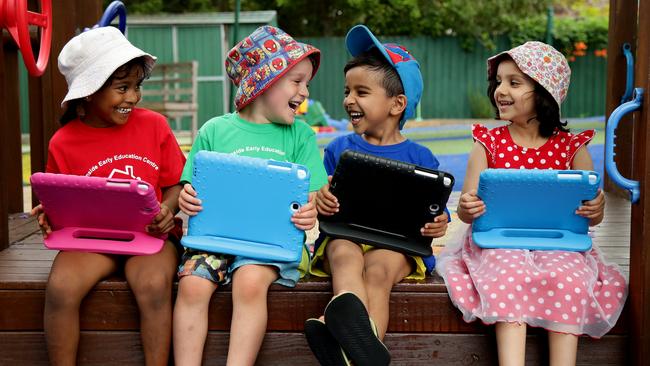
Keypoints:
(231, 134)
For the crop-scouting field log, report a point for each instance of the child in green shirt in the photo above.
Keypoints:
(271, 71)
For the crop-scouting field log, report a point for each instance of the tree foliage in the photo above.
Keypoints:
(470, 21)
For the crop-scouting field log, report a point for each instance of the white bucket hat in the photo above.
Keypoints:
(90, 58)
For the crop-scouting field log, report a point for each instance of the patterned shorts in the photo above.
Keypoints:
(212, 267)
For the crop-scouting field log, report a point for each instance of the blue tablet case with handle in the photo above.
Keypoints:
(534, 209)
(247, 206)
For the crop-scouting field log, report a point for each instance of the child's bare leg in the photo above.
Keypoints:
(150, 278)
(250, 284)
(383, 269)
(511, 343)
(345, 261)
(72, 276)
(191, 319)
(563, 348)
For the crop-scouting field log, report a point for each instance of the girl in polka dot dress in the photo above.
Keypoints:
(567, 293)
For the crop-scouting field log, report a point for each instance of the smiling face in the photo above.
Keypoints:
(367, 102)
(514, 95)
(280, 102)
(112, 104)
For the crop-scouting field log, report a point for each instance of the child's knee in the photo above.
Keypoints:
(194, 290)
(152, 289)
(252, 282)
(343, 250)
(63, 291)
(378, 275)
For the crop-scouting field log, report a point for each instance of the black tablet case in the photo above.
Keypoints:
(385, 202)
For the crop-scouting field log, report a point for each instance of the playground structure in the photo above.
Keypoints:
(424, 325)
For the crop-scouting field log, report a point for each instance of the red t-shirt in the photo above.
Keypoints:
(144, 148)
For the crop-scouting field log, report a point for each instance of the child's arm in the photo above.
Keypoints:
(470, 206)
(164, 221)
(188, 202)
(326, 202)
(594, 209)
(305, 217)
(43, 223)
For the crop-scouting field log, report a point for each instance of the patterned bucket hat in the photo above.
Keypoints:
(360, 39)
(542, 63)
(258, 61)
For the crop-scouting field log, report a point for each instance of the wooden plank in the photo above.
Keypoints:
(117, 310)
(639, 300)
(124, 348)
(20, 270)
(27, 263)
(21, 226)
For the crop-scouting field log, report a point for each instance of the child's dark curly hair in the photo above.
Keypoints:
(122, 72)
(546, 108)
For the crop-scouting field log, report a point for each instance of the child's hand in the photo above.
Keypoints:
(326, 202)
(470, 206)
(163, 222)
(305, 217)
(594, 209)
(37, 211)
(188, 202)
(437, 228)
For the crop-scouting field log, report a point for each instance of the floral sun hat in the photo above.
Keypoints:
(543, 63)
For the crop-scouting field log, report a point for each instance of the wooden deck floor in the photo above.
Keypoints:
(424, 325)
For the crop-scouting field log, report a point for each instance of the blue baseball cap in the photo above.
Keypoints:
(360, 39)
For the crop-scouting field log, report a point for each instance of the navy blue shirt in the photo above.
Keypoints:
(406, 151)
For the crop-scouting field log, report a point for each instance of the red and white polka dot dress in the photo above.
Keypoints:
(568, 292)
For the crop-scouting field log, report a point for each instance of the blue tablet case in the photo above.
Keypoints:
(247, 206)
(534, 209)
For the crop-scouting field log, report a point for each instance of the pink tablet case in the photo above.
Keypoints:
(95, 214)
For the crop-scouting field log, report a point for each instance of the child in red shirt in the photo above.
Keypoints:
(103, 134)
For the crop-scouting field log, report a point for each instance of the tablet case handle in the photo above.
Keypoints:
(610, 164)
(141, 187)
(300, 171)
(587, 176)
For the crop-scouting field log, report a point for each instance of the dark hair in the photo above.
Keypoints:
(547, 111)
(375, 60)
(70, 113)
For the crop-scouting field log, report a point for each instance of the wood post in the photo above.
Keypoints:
(4, 156)
(639, 300)
(11, 129)
(622, 29)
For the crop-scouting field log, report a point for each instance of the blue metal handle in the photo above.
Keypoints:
(610, 165)
(116, 8)
(629, 78)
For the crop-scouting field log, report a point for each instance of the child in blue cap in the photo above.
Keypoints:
(271, 72)
(383, 86)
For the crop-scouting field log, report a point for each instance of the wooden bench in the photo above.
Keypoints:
(424, 325)
(172, 91)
